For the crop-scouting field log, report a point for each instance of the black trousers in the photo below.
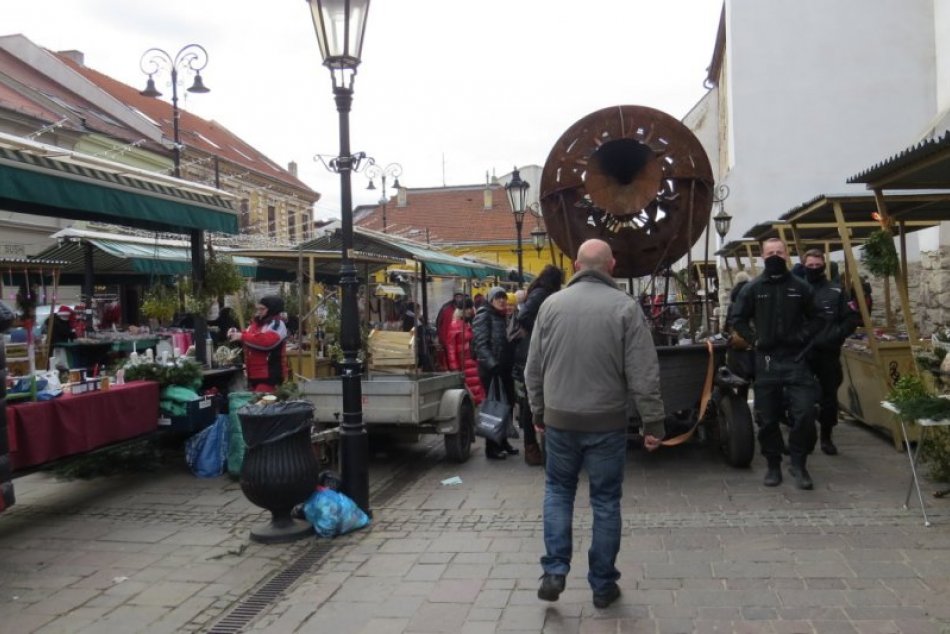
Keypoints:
(785, 387)
(826, 365)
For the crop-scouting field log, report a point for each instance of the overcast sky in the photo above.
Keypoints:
(449, 89)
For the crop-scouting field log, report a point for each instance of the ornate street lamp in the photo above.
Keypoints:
(517, 196)
(373, 170)
(191, 57)
(539, 237)
(722, 219)
(340, 25)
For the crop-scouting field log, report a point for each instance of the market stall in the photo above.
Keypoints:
(880, 355)
(40, 432)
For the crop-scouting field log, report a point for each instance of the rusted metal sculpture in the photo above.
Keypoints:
(634, 177)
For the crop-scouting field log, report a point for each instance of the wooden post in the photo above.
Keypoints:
(800, 246)
(748, 250)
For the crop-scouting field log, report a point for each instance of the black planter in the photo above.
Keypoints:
(280, 469)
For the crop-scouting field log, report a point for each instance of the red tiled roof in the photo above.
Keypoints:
(453, 215)
(27, 91)
(208, 136)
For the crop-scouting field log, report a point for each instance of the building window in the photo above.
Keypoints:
(271, 220)
(292, 225)
(245, 219)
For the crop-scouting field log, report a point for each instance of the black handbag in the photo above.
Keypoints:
(494, 415)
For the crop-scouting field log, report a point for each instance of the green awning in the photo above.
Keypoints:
(117, 256)
(80, 189)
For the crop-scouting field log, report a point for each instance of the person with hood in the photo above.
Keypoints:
(494, 356)
(265, 345)
(775, 313)
(548, 282)
(838, 321)
(458, 350)
(62, 325)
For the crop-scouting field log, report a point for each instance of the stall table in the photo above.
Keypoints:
(73, 424)
(86, 353)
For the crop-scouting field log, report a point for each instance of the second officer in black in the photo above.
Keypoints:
(776, 313)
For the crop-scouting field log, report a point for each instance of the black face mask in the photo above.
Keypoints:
(775, 265)
(814, 275)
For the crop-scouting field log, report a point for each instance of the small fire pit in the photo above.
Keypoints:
(280, 469)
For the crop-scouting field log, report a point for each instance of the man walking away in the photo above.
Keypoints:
(590, 353)
(838, 321)
(775, 312)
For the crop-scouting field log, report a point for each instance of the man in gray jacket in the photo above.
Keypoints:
(591, 354)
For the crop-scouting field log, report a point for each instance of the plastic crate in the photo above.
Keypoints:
(199, 414)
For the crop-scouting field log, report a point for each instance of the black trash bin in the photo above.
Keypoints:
(280, 469)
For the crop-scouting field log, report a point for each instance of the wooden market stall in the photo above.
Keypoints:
(311, 268)
(45, 180)
(841, 222)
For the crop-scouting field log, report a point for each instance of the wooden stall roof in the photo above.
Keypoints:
(915, 210)
(281, 264)
(922, 166)
(739, 248)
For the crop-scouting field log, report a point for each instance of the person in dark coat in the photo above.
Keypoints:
(494, 356)
(226, 320)
(548, 282)
(775, 313)
(839, 320)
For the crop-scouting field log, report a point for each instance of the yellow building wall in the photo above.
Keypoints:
(532, 261)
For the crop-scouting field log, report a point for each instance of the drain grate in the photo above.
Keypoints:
(267, 594)
(264, 596)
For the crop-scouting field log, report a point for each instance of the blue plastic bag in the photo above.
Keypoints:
(333, 513)
(207, 451)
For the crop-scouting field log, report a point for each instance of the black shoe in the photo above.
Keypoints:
(495, 454)
(608, 596)
(828, 448)
(802, 478)
(551, 587)
(773, 476)
(508, 449)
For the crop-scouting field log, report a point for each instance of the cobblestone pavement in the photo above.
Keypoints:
(706, 549)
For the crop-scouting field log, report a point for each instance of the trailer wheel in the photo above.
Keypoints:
(736, 430)
(458, 446)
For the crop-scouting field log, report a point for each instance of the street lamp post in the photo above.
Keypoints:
(340, 26)
(722, 219)
(191, 57)
(373, 170)
(517, 195)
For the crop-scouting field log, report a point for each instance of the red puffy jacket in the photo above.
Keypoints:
(265, 354)
(459, 355)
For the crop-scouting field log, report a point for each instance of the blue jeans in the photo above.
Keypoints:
(602, 455)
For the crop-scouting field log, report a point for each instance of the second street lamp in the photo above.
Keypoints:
(517, 196)
(373, 170)
(340, 25)
(191, 57)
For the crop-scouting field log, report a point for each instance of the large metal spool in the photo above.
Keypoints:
(634, 177)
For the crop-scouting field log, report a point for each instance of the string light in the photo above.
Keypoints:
(47, 128)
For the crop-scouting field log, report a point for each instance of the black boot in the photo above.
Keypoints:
(802, 478)
(827, 446)
(773, 474)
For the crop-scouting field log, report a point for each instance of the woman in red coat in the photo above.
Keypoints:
(458, 352)
(265, 346)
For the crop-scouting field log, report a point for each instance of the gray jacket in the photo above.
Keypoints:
(591, 354)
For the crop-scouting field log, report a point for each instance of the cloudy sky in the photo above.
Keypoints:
(449, 89)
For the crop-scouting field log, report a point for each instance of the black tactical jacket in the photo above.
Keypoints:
(777, 313)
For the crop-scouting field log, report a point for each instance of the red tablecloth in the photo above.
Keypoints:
(68, 425)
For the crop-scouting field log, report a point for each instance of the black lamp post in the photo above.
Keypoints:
(191, 57)
(373, 170)
(517, 196)
(340, 25)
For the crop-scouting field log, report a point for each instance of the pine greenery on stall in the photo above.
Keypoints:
(878, 254)
(914, 401)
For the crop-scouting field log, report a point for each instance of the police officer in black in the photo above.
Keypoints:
(838, 320)
(775, 312)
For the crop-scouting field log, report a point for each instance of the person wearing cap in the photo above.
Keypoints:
(265, 345)
(62, 327)
(494, 355)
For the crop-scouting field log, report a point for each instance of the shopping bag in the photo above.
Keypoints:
(494, 416)
(206, 452)
(332, 513)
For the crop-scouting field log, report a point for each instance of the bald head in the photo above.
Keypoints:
(595, 254)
